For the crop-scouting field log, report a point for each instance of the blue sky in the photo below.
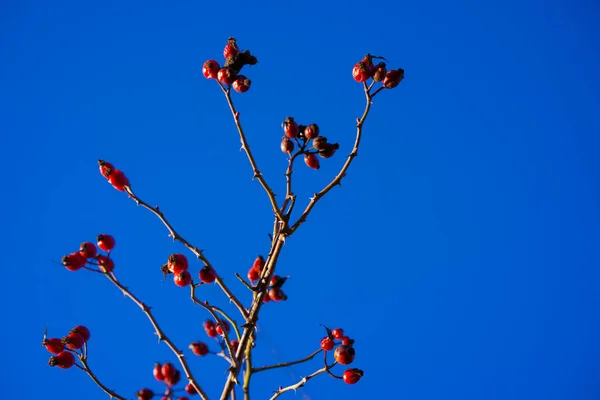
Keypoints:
(461, 252)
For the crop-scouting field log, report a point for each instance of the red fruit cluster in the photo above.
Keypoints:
(366, 69)
(256, 269)
(177, 264)
(235, 60)
(65, 347)
(88, 253)
(275, 293)
(292, 130)
(114, 176)
(166, 373)
(344, 352)
(213, 328)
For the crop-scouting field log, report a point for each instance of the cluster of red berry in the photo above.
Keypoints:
(88, 253)
(170, 376)
(234, 62)
(293, 130)
(115, 177)
(66, 347)
(366, 69)
(274, 291)
(344, 352)
(177, 264)
(213, 330)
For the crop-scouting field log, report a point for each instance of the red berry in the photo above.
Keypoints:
(241, 84)
(173, 380)
(380, 71)
(231, 48)
(106, 264)
(64, 359)
(53, 345)
(118, 179)
(368, 60)
(105, 168)
(311, 131)
(267, 298)
(88, 250)
(312, 161)
(207, 275)
(276, 294)
(182, 398)
(182, 279)
(106, 242)
(190, 389)
(144, 394)
(168, 370)
(177, 263)
(328, 149)
(199, 348)
(360, 72)
(259, 263)
(83, 331)
(338, 333)
(157, 372)
(344, 354)
(393, 78)
(234, 345)
(225, 326)
(74, 261)
(290, 127)
(226, 76)
(74, 341)
(210, 328)
(253, 275)
(347, 341)
(352, 375)
(287, 146)
(327, 343)
(210, 69)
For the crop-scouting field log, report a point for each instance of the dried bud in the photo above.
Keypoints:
(380, 72)
(319, 142)
(328, 149)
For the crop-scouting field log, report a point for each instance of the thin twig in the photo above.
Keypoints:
(161, 335)
(287, 364)
(244, 282)
(299, 384)
(199, 253)
(85, 367)
(246, 147)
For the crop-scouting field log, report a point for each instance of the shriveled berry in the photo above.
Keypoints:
(74, 261)
(344, 354)
(276, 294)
(338, 333)
(190, 389)
(168, 370)
(199, 348)
(210, 328)
(327, 343)
(83, 331)
(241, 84)
(118, 179)
(106, 242)
(311, 131)
(210, 69)
(174, 379)
(88, 250)
(393, 78)
(105, 168)
(106, 264)
(183, 398)
(73, 341)
(328, 149)
(287, 146)
(277, 281)
(380, 71)
(312, 161)
(177, 263)
(259, 263)
(234, 345)
(267, 298)
(352, 375)
(157, 372)
(207, 275)
(290, 127)
(53, 345)
(144, 394)
(231, 48)
(253, 275)
(226, 76)
(360, 72)
(368, 60)
(225, 325)
(182, 279)
(347, 341)
(64, 359)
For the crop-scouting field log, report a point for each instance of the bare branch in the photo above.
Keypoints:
(287, 364)
(299, 384)
(85, 367)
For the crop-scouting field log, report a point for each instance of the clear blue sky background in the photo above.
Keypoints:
(461, 253)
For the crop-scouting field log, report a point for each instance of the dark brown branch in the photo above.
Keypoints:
(199, 253)
(161, 335)
(246, 147)
(287, 364)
